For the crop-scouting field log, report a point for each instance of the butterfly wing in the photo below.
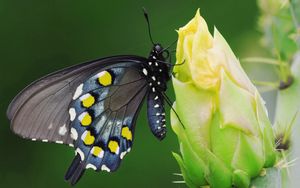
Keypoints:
(104, 119)
(40, 111)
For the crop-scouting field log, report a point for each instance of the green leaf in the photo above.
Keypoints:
(241, 179)
(185, 175)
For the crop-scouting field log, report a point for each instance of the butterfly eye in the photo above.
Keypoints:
(166, 54)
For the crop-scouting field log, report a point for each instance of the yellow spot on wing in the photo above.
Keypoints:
(113, 146)
(85, 119)
(126, 133)
(105, 78)
(87, 100)
(87, 138)
(97, 151)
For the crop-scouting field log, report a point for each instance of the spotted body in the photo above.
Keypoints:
(93, 107)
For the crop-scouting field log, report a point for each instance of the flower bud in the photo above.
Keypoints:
(226, 137)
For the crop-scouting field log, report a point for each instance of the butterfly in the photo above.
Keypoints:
(93, 107)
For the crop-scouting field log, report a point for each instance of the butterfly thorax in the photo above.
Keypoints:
(157, 70)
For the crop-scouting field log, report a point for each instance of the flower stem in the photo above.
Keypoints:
(286, 115)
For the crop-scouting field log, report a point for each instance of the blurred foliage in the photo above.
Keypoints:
(280, 23)
(276, 23)
(38, 37)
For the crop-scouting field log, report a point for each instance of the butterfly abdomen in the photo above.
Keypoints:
(156, 115)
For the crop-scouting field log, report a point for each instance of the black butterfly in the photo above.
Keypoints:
(94, 106)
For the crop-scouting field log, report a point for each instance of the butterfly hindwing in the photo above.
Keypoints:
(103, 119)
(40, 111)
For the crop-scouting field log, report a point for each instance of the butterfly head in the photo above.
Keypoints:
(157, 52)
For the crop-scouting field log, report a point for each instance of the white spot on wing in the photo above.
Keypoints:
(156, 106)
(78, 151)
(71, 145)
(156, 98)
(153, 78)
(105, 168)
(50, 126)
(34, 139)
(78, 92)
(45, 140)
(81, 116)
(74, 134)
(59, 142)
(153, 89)
(145, 71)
(88, 166)
(83, 136)
(100, 74)
(123, 154)
(62, 130)
(72, 113)
(83, 97)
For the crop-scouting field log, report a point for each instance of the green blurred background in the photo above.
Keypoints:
(38, 37)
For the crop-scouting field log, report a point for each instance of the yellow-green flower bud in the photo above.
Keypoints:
(227, 137)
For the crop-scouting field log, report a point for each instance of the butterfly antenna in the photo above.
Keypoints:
(169, 102)
(148, 23)
(172, 51)
(174, 42)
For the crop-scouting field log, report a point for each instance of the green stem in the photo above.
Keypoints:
(288, 105)
(296, 22)
(261, 60)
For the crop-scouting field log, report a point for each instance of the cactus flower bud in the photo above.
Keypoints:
(227, 138)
